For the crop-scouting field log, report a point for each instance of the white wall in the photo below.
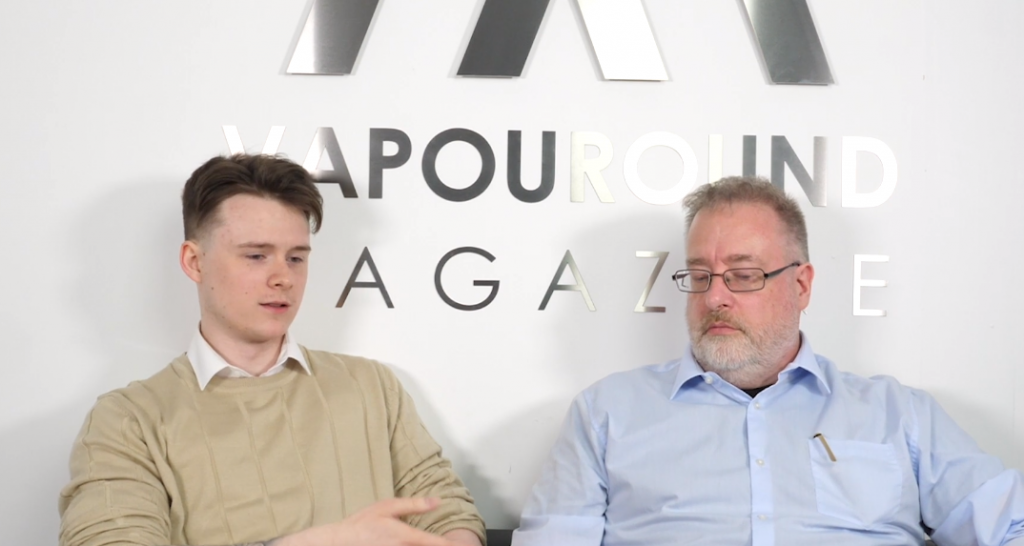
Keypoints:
(108, 106)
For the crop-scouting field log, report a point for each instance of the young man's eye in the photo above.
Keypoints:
(254, 256)
(297, 259)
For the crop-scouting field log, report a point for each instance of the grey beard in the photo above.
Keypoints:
(749, 360)
(737, 361)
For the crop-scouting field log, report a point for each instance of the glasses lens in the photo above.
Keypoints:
(744, 280)
(693, 280)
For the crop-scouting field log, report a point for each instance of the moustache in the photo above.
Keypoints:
(721, 317)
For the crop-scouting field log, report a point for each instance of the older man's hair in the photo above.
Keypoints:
(751, 190)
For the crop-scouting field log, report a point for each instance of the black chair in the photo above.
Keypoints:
(499, 537)
(503, 537)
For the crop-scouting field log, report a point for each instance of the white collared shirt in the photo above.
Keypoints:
(207, 362)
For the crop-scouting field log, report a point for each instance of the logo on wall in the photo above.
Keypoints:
(619, 31)
(623, 42)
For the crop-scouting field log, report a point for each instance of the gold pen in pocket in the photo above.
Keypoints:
(821, 437)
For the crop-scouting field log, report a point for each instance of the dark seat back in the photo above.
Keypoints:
(499, 537)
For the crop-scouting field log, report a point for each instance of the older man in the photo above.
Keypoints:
(751, 438)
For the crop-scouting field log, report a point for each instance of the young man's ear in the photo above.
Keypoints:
(188, 259)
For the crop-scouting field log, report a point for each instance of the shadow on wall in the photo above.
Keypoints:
(501, 468)
(615, 337)
(348, 227)
(126, 311)
(589, 346)
(138, 308)
(828, 321)
(35, 458)
(534, 427)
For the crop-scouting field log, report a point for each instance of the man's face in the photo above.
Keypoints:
(745, 337)
(250, 265)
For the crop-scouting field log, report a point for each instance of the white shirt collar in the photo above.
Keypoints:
(207, 362)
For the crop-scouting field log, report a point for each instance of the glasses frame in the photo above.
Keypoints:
(767, 275)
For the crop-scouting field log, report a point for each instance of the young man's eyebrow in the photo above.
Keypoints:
(266, 246)
(256, 245)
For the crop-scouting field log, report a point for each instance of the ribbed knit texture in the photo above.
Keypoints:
(161, 462)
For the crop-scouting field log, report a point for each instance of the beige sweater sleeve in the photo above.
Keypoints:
(115, 497)
(421, 471)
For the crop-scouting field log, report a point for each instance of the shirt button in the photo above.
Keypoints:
(757, 405)
(762, 517)
(760, 462)
(708, 379)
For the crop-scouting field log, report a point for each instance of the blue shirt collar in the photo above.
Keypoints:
(806, 361)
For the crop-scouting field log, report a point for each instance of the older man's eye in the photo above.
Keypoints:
(699, 277)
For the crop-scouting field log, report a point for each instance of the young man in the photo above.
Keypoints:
(750, 437)
(249, 436)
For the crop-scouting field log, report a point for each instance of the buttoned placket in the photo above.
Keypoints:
(762, 517)
(762, 511)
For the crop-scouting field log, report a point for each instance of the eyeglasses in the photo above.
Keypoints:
(744, 279)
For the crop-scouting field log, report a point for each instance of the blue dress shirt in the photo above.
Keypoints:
(670, 454)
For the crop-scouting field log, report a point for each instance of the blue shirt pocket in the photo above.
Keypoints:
(863, 486)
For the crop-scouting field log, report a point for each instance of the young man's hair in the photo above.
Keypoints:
(751, 190)
(260, 175)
